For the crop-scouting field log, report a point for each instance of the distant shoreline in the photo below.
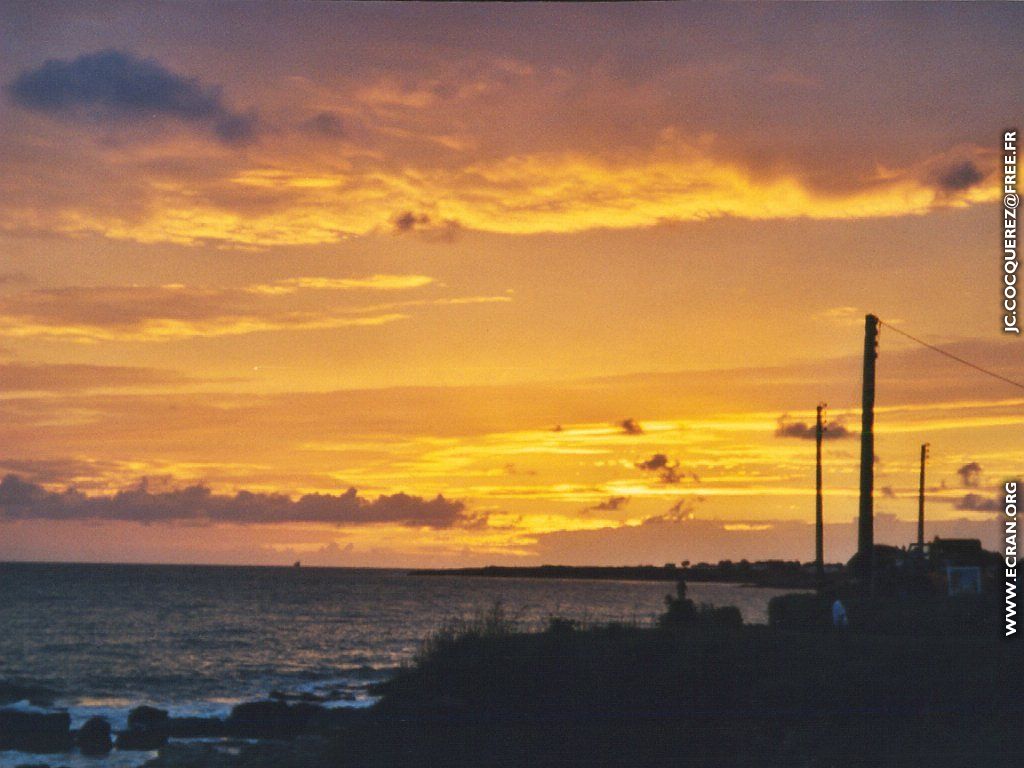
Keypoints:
(146, 564)
(783, 576)
(772, 574)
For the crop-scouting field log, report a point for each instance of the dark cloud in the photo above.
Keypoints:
(683, 509)
(326, 124)
(237, 129)
(800, 429)
(114, 85)
(444, 230)
(611, 504)
(680, 506)
(959, 177)
(197, 504)
(653, 464)
(670, 475)
(408, 221)
(631, 427)
(55, 470)
(668, 471)
(975, 502)
(970, 475)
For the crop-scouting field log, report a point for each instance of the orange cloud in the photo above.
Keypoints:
(525, 194)
(161, 313)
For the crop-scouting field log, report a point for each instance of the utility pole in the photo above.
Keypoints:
(819, 523)
(920, 501)
(866, 523)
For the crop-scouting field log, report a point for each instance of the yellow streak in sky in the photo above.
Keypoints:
(164, 329)
(373, 282)
(527, 194)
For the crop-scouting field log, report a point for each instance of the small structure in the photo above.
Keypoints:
(962, 552)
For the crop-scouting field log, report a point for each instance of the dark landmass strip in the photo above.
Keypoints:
(784, 574)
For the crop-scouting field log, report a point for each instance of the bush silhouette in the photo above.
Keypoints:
(682, 612)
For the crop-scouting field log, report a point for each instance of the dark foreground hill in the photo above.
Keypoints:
(910, 683)
(631, 697)
(709, 695)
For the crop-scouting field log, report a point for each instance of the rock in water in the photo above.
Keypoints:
(93, 737)
(13, 692)
(148, 728)
(277, 720)
(41, 732)
(147, 719)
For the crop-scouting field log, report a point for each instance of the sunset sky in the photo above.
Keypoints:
(277, 276)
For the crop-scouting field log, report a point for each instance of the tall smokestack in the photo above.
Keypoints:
(866, 524)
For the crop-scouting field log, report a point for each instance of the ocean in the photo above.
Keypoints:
(198, 639)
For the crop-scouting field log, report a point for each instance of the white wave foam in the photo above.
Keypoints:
(27, 706)
(13, 759)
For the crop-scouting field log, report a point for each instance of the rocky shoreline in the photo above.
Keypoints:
(261, 726)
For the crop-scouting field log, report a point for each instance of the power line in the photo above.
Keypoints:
(968, 363)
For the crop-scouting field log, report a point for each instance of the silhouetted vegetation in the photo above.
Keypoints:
(699, 689)
(629, 696)
(682, 613)
(491, 623)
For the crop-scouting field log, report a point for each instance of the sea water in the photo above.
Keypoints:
(196, 640)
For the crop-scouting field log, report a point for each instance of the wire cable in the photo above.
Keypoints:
(950, 355)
